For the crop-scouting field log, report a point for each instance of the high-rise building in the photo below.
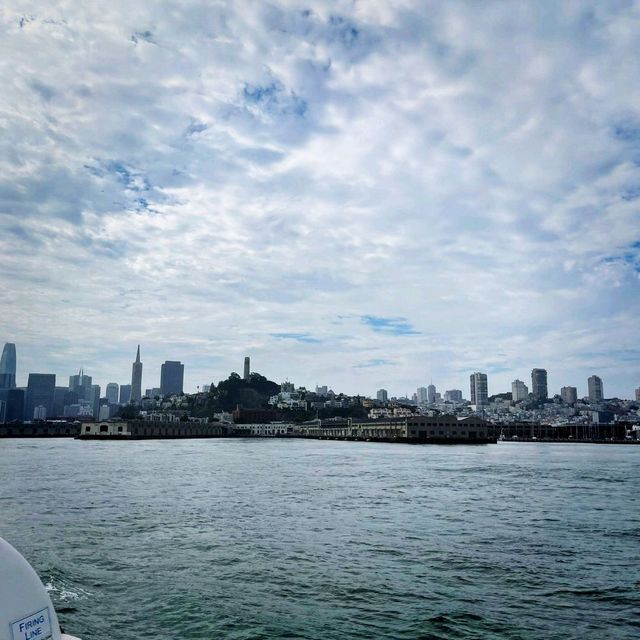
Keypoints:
(596, 391)
(136, 379)
(80, 384)
(94, 398)
(479, 389)
(539, 384)
(322, 391)
(8, 366)
(431, 394)
(111, 393)
(40, 392)
(247, 368)
(569, 395)
(125, 393)
(382, 395)
(638, 394)
(13, 405)
(519, 391)
(171, 378)
(453, 395)
(421, 395)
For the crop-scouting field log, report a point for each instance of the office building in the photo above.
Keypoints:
(172, 378)
(569, 395)
(596, 391)
(154, 392)
(80, 384)
(479, 389)
(453, 395)
(539, 384)
(8, 366)
(638, 394)
(94, 399)
(322, 391)
(111, 393)
(431, 394)
(136, 379)
(247, 368)
(421, 395)
(12, 405)
(382, 395)
(519, 391)
(125, 393)
(40, 392)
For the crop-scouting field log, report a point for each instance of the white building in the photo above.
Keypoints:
(479, 389)
(519, 391)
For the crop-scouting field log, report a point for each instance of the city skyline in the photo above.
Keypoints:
(176, 369)
(371, 195)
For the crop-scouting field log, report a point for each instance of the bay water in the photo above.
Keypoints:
(260, 538)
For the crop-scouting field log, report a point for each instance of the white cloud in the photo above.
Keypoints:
(207, 178)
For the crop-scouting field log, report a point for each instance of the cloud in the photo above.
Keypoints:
(444, 187)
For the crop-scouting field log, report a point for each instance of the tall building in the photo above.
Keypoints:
(638, 394)
(125, 393)
(8, 366)
(13, 405)
(453, 395)
(431, 394)
(136, 379)
(421, 395)
(94, 399)
(80, 384)
(40, 392)
(569, 395)
(596, 392)
(172, 378)
(382, 395)
(479, 389)
(111, 393)
(247, 368)
(539, 384)
(519, 391)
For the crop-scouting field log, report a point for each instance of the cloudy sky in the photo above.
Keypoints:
(361, 194)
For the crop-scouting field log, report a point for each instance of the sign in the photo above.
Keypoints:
(37, 626)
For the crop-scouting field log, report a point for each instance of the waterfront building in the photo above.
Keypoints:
(8, 366)
(382, 395)
(519, 391)
(453, 395)
(80, 384)
(136, 379)
(431, 394)
(596, 391)
(111, 393)
(125, 393)
(569, 395)
(539, 384)
(172, 378)
(40, 392)
(247, 368)
(479, 389)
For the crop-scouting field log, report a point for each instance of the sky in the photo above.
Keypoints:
(361, 194)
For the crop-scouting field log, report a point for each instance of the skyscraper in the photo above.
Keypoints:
(136, 379)
(171, 378)
(125, 393)
(479, 389)
(80, 384)
(431, 394)
(40, 392)
(453, 395)
(569, 395)
(519, 391)
(539, 384)
(111, 393)
(421, 395)
(638, 394)
(8, 366)
(247, 368)
(596, 391)
(382, 395)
